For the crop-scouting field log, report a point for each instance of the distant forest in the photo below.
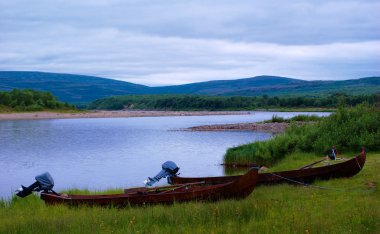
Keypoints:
(30, 100)
(191, 102)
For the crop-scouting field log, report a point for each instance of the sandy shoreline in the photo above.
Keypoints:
(262, 127)
(112, 114)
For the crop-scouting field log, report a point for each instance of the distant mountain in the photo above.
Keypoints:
(233, 87)
(80, 88)
(274, 85)
(67, 87)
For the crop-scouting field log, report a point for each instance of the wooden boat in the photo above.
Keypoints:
(307, 175)
(239, 187)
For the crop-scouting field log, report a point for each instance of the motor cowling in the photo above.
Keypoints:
(44, 182)
(169, 169)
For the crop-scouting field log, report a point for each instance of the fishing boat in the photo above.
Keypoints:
(303, 175)
(200, 190)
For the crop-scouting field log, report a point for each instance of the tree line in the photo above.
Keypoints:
(193, 102)
(30, 100)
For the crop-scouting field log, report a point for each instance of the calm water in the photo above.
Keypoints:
(115, 152)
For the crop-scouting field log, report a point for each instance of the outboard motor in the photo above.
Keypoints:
(169, 169)
(44, 182)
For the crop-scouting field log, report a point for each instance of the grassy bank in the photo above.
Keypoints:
(348, 129)
(350, 206)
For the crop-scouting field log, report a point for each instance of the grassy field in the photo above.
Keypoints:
(348, 206)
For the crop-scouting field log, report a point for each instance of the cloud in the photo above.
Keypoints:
(164, 43)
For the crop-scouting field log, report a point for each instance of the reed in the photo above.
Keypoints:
(349, 206)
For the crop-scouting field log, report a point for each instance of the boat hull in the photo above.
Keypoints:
(345, 169)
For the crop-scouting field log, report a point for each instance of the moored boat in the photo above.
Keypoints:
(200, 190)
(307, 175)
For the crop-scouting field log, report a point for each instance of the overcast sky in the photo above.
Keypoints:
(164, 42)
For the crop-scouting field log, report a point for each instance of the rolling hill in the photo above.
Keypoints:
(222, 87)
(80, 88)
(67, 87)
(274, 85)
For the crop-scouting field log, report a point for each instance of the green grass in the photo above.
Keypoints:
(87, 192)
(350, 206)
(298, 160)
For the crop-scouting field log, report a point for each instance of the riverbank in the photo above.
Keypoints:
(111, 114)
(347, 129)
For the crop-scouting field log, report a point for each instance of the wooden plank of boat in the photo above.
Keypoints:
(345, 169)
(238, 188)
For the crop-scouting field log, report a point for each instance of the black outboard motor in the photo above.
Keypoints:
(169, 169)
(44, 182)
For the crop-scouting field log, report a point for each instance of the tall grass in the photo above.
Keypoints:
(349, 206)
(303, 118)
(276, 119)
(348, 129)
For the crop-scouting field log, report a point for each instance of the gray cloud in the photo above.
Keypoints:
(162, 42)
